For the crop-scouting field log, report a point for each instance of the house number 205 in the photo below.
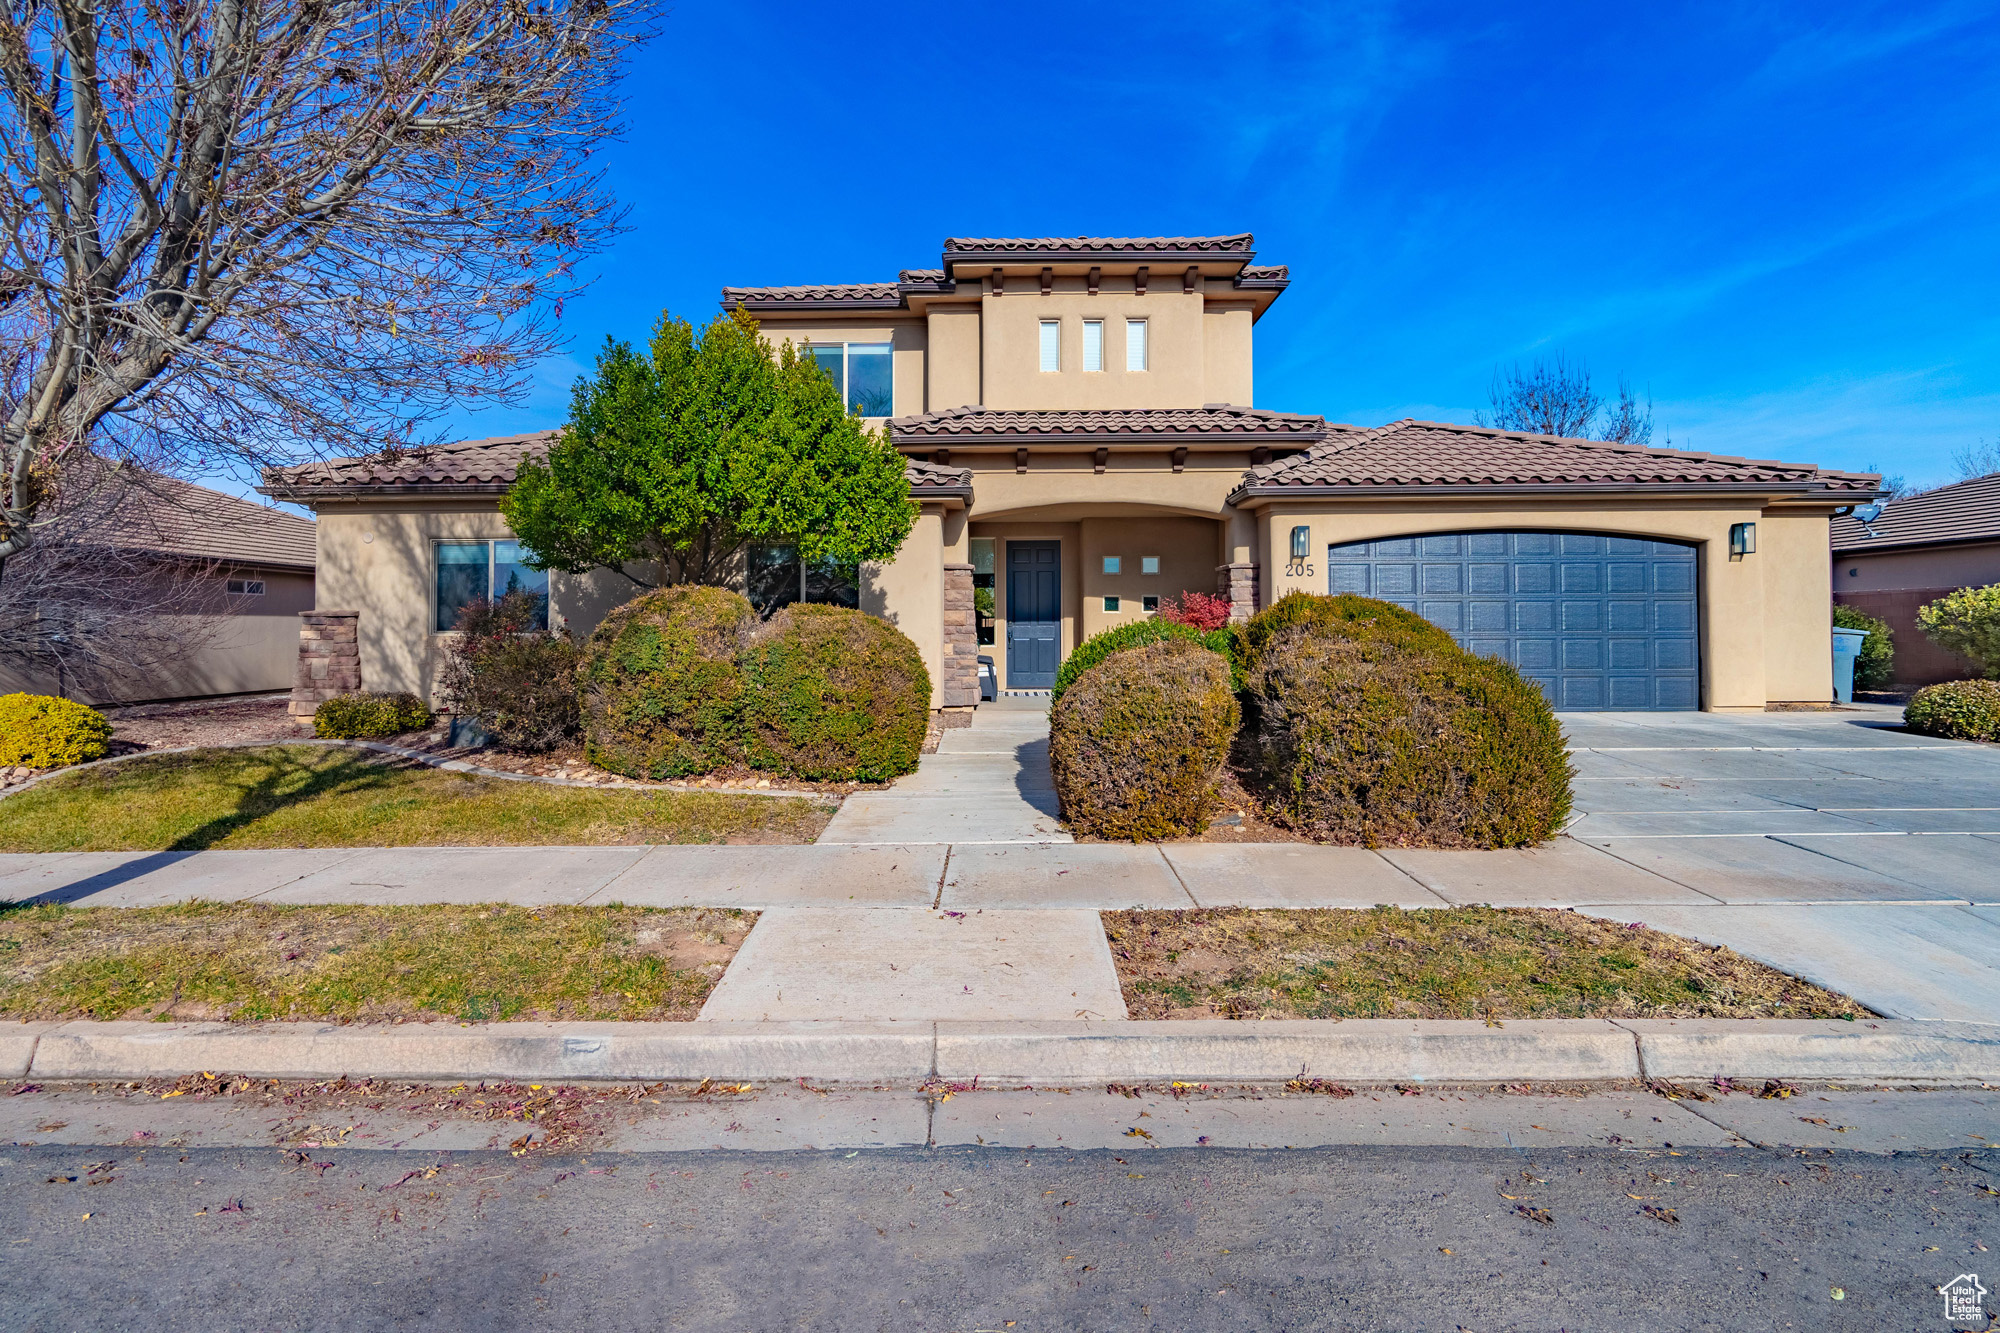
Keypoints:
(1298, 569)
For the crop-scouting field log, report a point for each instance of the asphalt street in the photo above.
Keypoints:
(915, 1239)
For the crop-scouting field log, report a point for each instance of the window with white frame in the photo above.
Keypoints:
(247, 587)
(863, 372)
(1051, 346)
(469, 572)
(1093, 344)
(1135, 344)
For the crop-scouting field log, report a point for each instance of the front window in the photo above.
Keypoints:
(777, 577)
(468, 572)
(863, 372)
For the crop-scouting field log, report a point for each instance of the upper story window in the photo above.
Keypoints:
(468, 572)
(1051, 345)
(862, 372)
(1093, 344)
(1135, 344)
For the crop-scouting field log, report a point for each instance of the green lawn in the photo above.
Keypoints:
(247, 962)
(320, 796)
(1457, 962)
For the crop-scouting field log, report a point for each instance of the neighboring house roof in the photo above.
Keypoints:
(819, 296)
(483, 467)
(1968, 511)
(1436, 456)
(1213, 423)
(180, 518)
(464, 467)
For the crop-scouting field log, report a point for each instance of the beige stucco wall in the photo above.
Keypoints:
(1010, 349)
(1142, 479)
(952, 358)
(1226, 361)
(1763, 618)
(908, 591)
(1974, 565)
(1186, 548)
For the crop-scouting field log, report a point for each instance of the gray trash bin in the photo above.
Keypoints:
(989, 684)
(1846, 648)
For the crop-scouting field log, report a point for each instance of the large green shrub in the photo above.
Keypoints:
(835, 695)
(1876, 667)
(1966, 622)
(1374, 739)
(1138, 743)
(1100, 646)
(518, 681)
(347, 717)
(1345, 616)
(1968, 710)
(42, 731)
(661, 688)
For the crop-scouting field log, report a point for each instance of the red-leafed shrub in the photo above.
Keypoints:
(1196, 610)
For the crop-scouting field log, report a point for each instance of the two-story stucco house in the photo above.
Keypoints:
(1078, 417)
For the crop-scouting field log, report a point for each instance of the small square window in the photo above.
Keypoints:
(1111, 564)
(1150, 603)
(1149, 564)
(1111, 604)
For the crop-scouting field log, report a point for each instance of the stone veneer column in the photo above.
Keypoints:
(1237, 584)
(961, 639)
(329, 658)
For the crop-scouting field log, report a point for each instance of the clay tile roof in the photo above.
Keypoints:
(1437, 455)
(923, 275)
(1966, 512)
(1215, 422)
(969, 246)
(937, 479)
(819, 296)
(463, 466)
(179, 518)
(1264, 273)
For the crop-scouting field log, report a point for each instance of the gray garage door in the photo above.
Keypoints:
(1597, 622)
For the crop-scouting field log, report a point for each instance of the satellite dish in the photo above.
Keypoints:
(1867, 513)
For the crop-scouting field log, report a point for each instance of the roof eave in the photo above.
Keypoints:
(1640, 489)
(1889, 545)
(306, 493)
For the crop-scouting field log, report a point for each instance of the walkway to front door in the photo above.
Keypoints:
(1034, 614)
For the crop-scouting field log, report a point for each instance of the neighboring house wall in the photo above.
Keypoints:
(1893, 585)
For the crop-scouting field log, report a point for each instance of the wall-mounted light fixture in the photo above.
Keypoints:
(1742, 540)
(1301, 543)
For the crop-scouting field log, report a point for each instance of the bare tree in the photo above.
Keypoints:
(1977, 460)
(1554, 397)
(1893, 487)
(233, 230)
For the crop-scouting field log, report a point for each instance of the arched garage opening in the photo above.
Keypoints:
(1599, 622)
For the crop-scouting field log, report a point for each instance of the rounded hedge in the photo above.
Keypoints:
(347, 717)
(42, 731)
(660, 687)
(1967, 710)
(1875, 668)
(1138, 743)
(835, 695)
(1100, 646)
(1373, 740)
(1345, 616)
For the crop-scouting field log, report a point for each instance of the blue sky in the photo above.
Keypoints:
(1779, 220)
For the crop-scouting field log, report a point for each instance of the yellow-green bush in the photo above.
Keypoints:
(1381, 740)
(1967, 710)
(347, 717)
(1138, 742)
(41, 731)
(1966, 622)
(1875, 667)
(661, 687)
(835, 695)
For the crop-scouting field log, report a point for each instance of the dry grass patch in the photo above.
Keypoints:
(1458, 962)
(246, 962)
(322, 796)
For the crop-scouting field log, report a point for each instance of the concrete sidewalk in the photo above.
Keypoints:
(987, 783)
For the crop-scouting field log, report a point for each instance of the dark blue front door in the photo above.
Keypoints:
(1598, 622)
(1034, 614)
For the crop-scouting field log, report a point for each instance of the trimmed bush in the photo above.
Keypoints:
(1967, 710)
(1345, 616)
(1966, 622)
(349, 717)
(1138, 743)
(519, 682)
(835, 695)
(1372, 740)
(42, 731)
(1100, 646)
(1875, 669)
(661, 691)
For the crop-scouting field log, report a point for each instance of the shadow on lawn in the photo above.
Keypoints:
(287, 779)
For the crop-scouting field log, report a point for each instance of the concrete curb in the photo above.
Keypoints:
(1050, 1054)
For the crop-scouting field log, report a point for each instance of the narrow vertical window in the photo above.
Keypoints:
(1135, 344)
(1093, 344)
(1051, 345)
